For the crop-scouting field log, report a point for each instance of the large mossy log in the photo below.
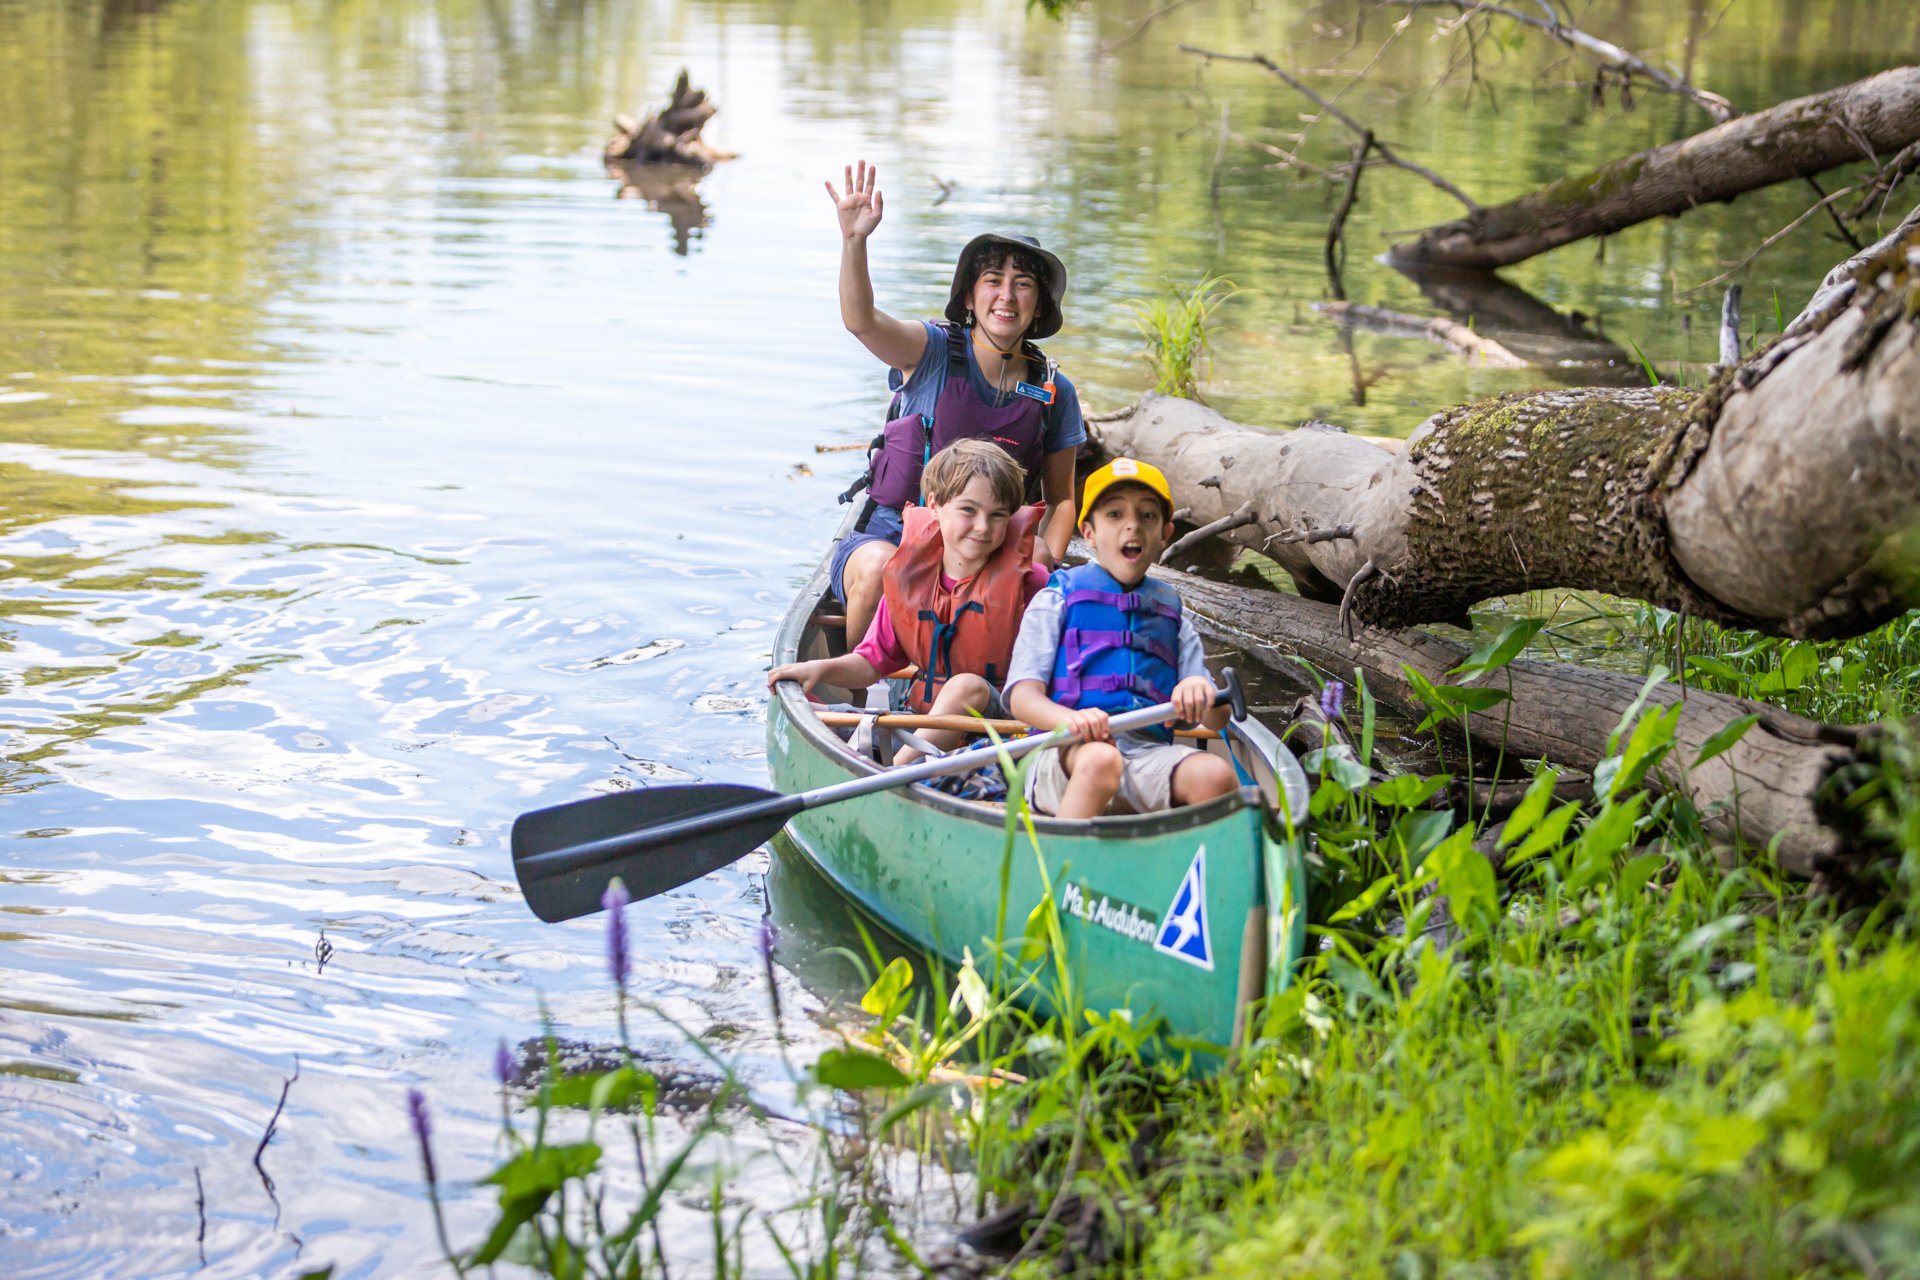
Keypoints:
(1784, 498)
(1807, 136)
(1777, 783)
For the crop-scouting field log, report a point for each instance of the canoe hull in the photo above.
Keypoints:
(1152, 920)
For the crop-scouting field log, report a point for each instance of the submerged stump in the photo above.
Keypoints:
(671, 136)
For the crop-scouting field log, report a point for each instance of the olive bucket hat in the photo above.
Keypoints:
(1046, 321)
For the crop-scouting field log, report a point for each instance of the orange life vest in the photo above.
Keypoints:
(970, 628)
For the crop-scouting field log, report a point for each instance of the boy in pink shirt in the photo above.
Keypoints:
(953, 593)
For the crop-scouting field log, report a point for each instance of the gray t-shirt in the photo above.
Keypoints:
(1063, 426)
(1038, 644)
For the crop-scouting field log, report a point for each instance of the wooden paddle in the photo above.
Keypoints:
(659, 838)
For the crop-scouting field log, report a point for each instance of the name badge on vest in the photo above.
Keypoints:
(1043, 394)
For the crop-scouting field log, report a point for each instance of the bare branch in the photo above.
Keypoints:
(1603, 52)
(1245, 515)
(1336, 230)
(1140, 27)
(1766, 244)
(1382, 149)
(1300, 533)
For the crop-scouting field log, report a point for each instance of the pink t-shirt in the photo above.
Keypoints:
(882, 647)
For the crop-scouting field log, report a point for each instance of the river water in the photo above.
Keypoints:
(370, 473)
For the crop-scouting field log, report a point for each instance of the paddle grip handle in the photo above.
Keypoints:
(1231, 694)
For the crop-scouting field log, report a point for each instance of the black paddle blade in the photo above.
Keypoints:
(558, 892)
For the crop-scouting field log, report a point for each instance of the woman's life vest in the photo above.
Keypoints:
(1119, 649)
(970, 627)
(905, 444)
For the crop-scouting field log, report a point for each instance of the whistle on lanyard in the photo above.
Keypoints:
(1044, 392)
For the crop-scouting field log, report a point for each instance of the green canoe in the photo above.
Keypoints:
(1178, 915)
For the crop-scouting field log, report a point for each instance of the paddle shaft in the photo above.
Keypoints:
(591, 853)
(957, 723)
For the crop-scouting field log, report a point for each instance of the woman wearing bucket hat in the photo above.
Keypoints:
(976, 375)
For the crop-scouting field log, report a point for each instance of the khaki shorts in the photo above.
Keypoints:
(1146, 782)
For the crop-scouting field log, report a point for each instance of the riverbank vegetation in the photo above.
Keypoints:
(1566, 1039)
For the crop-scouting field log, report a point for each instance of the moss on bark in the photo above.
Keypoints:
(1483, 524)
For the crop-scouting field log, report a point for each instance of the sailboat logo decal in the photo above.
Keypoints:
(1184, 931)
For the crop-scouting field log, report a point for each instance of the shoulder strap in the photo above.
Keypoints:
(1036, 362)
(956, 349)
(1037, 374)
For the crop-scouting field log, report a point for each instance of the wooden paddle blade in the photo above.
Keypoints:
(556, 895)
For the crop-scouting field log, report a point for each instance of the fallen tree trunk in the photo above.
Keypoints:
(1771, 784)
(1877, 116)
(1782, 499)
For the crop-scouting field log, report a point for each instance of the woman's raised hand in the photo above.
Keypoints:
(859, 205)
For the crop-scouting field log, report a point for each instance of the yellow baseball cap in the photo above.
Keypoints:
(1124, 471)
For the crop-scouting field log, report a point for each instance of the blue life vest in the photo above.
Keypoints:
(1119, 649)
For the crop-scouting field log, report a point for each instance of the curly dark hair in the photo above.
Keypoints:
(992, 253)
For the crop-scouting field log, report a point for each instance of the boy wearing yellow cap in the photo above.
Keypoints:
(1104, 638)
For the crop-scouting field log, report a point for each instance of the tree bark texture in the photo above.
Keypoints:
(1783, 498)
(1797, 139)
(1774, 782)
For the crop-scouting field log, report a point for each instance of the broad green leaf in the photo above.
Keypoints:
(1033, 944)
(1466, 877)
(886, 989)
(1604, 837)
(1408, 791)
(1532, 807)
(1419, 832)
(1639, 870)
(1363, 901)
(539, 1171)
(1655, 678)
(1613, 829)
(1500, 650)
(853, 1069)
(1646, 746)
(1337, 764)
(1476, 699)
(514, 1215)
(1456, 703)
(1548, 835)
(1723, 740)
(1705, 665)
(1353, 979)
(600, 1090)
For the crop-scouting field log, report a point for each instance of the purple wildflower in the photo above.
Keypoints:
(503, 1063)
(422, 1129)
(615, 901)
(1333, 699)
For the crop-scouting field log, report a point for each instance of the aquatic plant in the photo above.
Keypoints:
(1837, 681)
(1176, 334)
